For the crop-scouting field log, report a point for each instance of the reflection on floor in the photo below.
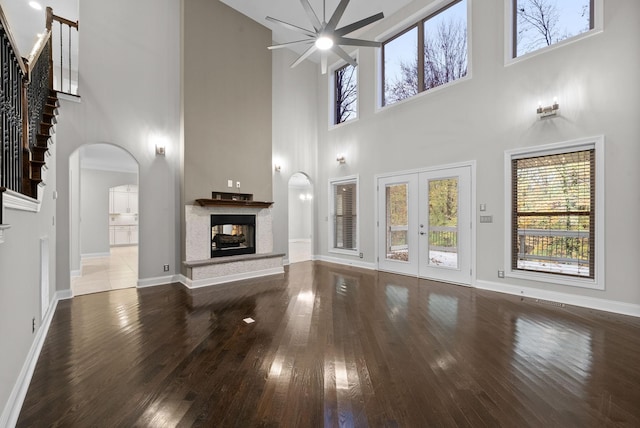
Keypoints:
(299, 250)
(119, 270)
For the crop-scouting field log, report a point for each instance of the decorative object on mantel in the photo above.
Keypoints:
(224, 199)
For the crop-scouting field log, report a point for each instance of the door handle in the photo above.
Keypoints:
(423, 233)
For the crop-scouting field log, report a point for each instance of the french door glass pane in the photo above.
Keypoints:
(397, 221)
(443, 223)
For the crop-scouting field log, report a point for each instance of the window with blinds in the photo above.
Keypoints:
(553, 213)
(345, 215)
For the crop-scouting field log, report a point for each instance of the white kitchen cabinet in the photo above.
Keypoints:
(123, 235)
(123, 199)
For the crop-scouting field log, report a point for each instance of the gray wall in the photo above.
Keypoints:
(226, 104)
(227, 101)
(130, 84)
(94, 226)
(595, 80)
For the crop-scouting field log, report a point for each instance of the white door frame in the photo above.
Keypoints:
(473, 213)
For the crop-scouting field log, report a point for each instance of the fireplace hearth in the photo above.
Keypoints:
(232, 234)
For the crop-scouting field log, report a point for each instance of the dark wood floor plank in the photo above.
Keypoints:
(332, 346)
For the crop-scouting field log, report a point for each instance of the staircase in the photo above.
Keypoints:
(42, 141)
(28, 109)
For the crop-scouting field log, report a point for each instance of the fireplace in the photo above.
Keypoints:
(233, 234)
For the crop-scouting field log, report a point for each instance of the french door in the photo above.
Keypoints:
(424, 224)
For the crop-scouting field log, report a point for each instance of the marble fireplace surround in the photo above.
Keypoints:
(202, 270)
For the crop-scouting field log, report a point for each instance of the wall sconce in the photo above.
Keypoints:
(548, 111)
(277, 167)
(160, 150)
(341, 159)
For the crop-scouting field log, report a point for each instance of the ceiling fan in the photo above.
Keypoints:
(325, 36)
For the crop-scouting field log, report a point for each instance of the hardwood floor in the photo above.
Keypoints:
(333, 346)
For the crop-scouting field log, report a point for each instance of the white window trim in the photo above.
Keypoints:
(337, 181)
(332, 91)
(597, 143)
(598, 27)
(415, 17)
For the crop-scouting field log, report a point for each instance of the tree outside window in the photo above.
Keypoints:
(542, 23)
(346, 93)
(427, 55)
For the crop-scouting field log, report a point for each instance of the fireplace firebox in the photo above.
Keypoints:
(232, 234)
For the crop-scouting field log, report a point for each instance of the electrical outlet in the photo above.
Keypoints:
(500, 274)
(33, 325)
(237, 184)
(229, 183)
(361, 255)
(166, 268)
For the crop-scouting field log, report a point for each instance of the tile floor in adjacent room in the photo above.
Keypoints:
(119, 270)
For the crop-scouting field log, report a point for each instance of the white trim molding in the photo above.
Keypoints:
(345, 262)
(17, 201)
(566, 298)
(3, 227)
(159, 280)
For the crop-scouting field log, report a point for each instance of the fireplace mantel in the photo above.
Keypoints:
(232, 203)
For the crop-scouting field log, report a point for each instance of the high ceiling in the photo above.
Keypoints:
(291, 11)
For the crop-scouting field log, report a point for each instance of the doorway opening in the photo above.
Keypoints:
(103, 219)
(300, 218)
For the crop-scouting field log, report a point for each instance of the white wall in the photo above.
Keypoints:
(129, 83)
(20, 280)
(300, 226)
(595, 80)
(295, 134)
(94, 203)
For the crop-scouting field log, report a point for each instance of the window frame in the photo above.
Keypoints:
(352, 179)
(598, 280)
(418, 21)
(510, 28)
(332, 91)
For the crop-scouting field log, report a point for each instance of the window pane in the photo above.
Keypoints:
(445, 46)
(541, 23)
(345, 217)
(443, 222)
(553, 209)
(401, 67)
(346, 84)
(397, 222)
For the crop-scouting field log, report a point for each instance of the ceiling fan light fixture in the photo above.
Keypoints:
(324, 42)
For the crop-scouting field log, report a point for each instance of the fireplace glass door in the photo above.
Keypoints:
(232, 235)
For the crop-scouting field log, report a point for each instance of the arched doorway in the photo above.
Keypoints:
(103, 219)
(300, 218)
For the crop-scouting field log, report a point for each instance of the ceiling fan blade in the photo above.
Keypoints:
(305, 55)
(337, 15)
(357, 25)
(323, 62)
(357, 42)
(344, 55)
(292, 27)
(311, 14)
(289, 44)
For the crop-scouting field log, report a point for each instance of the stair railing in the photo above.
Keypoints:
(64, 66)
(13, 107)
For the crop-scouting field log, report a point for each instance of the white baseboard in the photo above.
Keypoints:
(189, 283)
(346, 262)
(76, 273)
(566, 298)
(94, 255)
(285, 261)
(160, 280)
(11, 411)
